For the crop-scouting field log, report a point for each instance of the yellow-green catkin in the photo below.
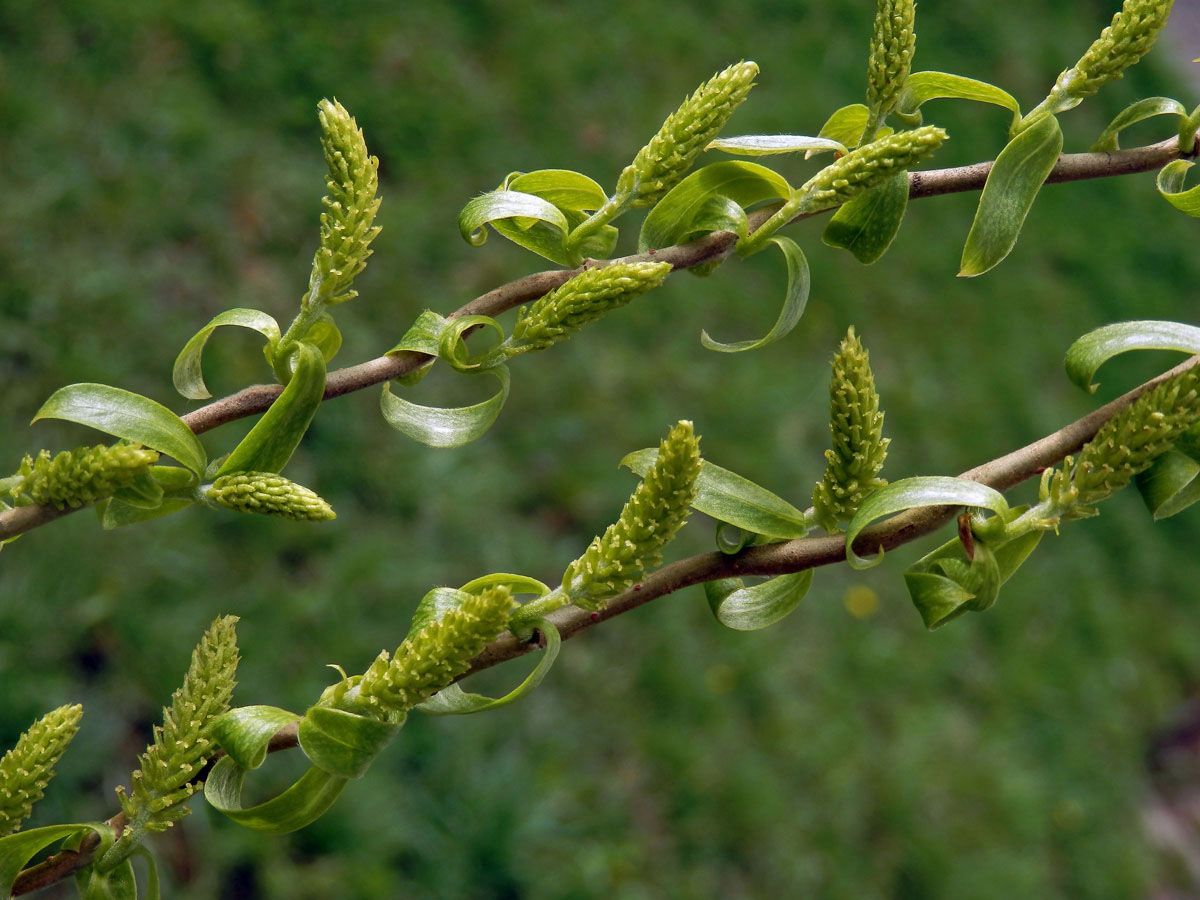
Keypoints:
(347, 224)
(663, 162)
(893, 42)
(1131, 34)
(83, 475)
(659, 507)
(859, 447)
(268, 494)
(182, 744)
(583, 299)
(27, 768)
(431, 658)
(869, 165)
(1131, 440)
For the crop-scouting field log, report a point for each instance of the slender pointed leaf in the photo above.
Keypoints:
(1132, 114)
(563, 188)
(921, 87)
(525, 219)
(126, 415)
(438, 427)
(273, 439)
(770, 144)
(1012, 185)
(1096, 347)
(867, 225)
(301, 804)
(16, 850)
(755, 607)
(187, 373)
(909, 493)
(799, 282)
(728, 497)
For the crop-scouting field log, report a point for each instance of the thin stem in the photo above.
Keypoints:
(719, 245)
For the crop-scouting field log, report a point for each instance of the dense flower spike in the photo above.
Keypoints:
(27, 768)
(859, 447)
(83, 475)
(268, 494)
(893, 42)
(661, 164)
(869, 165)
(182, 745)
(583, 299)
(347, 225)
(654, 514)
(1132, 32)
(433, 657)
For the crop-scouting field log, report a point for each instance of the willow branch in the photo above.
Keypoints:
(786, 557)
(716, 246)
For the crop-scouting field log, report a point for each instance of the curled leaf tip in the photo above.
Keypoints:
(655, 512)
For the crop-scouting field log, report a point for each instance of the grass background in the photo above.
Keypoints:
(161, 164)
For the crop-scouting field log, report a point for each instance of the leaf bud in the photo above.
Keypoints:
(659, 507)
(267, 494)
(583, 299)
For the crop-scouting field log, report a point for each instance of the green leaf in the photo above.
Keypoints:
(126, 415)
(867, 225)
(342, 743)
(1170, 185)
(728, 497)
(799, 282)
(561, 187)
(273, 439)
(518, 584)
(671, 220)
(1170, 485)
(755, 607)
(769, 144)
(524, 219)
(909, 493)
(453, 700)
(324, 335)
(924, 86)
(845, 126)
(1135, 112)
(187, 373)
(424, 335)
(116, 514)
(1096, 347)
(301, 804)
(1012, 185)
(245, 732)
(16, 850)
(453, 348)
(437, 427)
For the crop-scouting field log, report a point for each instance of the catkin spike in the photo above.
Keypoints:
(347, 224)
(893, 42)
(659, 507)
(268, 494)
(859, 447)
(1131, 34)
(433, 657)
(27, 768)
(83, 475)
(583, 299)
(869, 165)
(663, 162)
(182, 744)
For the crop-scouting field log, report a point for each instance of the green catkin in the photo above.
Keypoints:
(433, 657)
(871, 164)
(1131, 34)
(659, 507)
(583, 299)
(347, 224)
(893, 42)
(268, 494)
(859, 448)
(27, 768)
(182, 744)
(83, 475)
(663, 162)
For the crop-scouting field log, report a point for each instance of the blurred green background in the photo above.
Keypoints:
(160, 163)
